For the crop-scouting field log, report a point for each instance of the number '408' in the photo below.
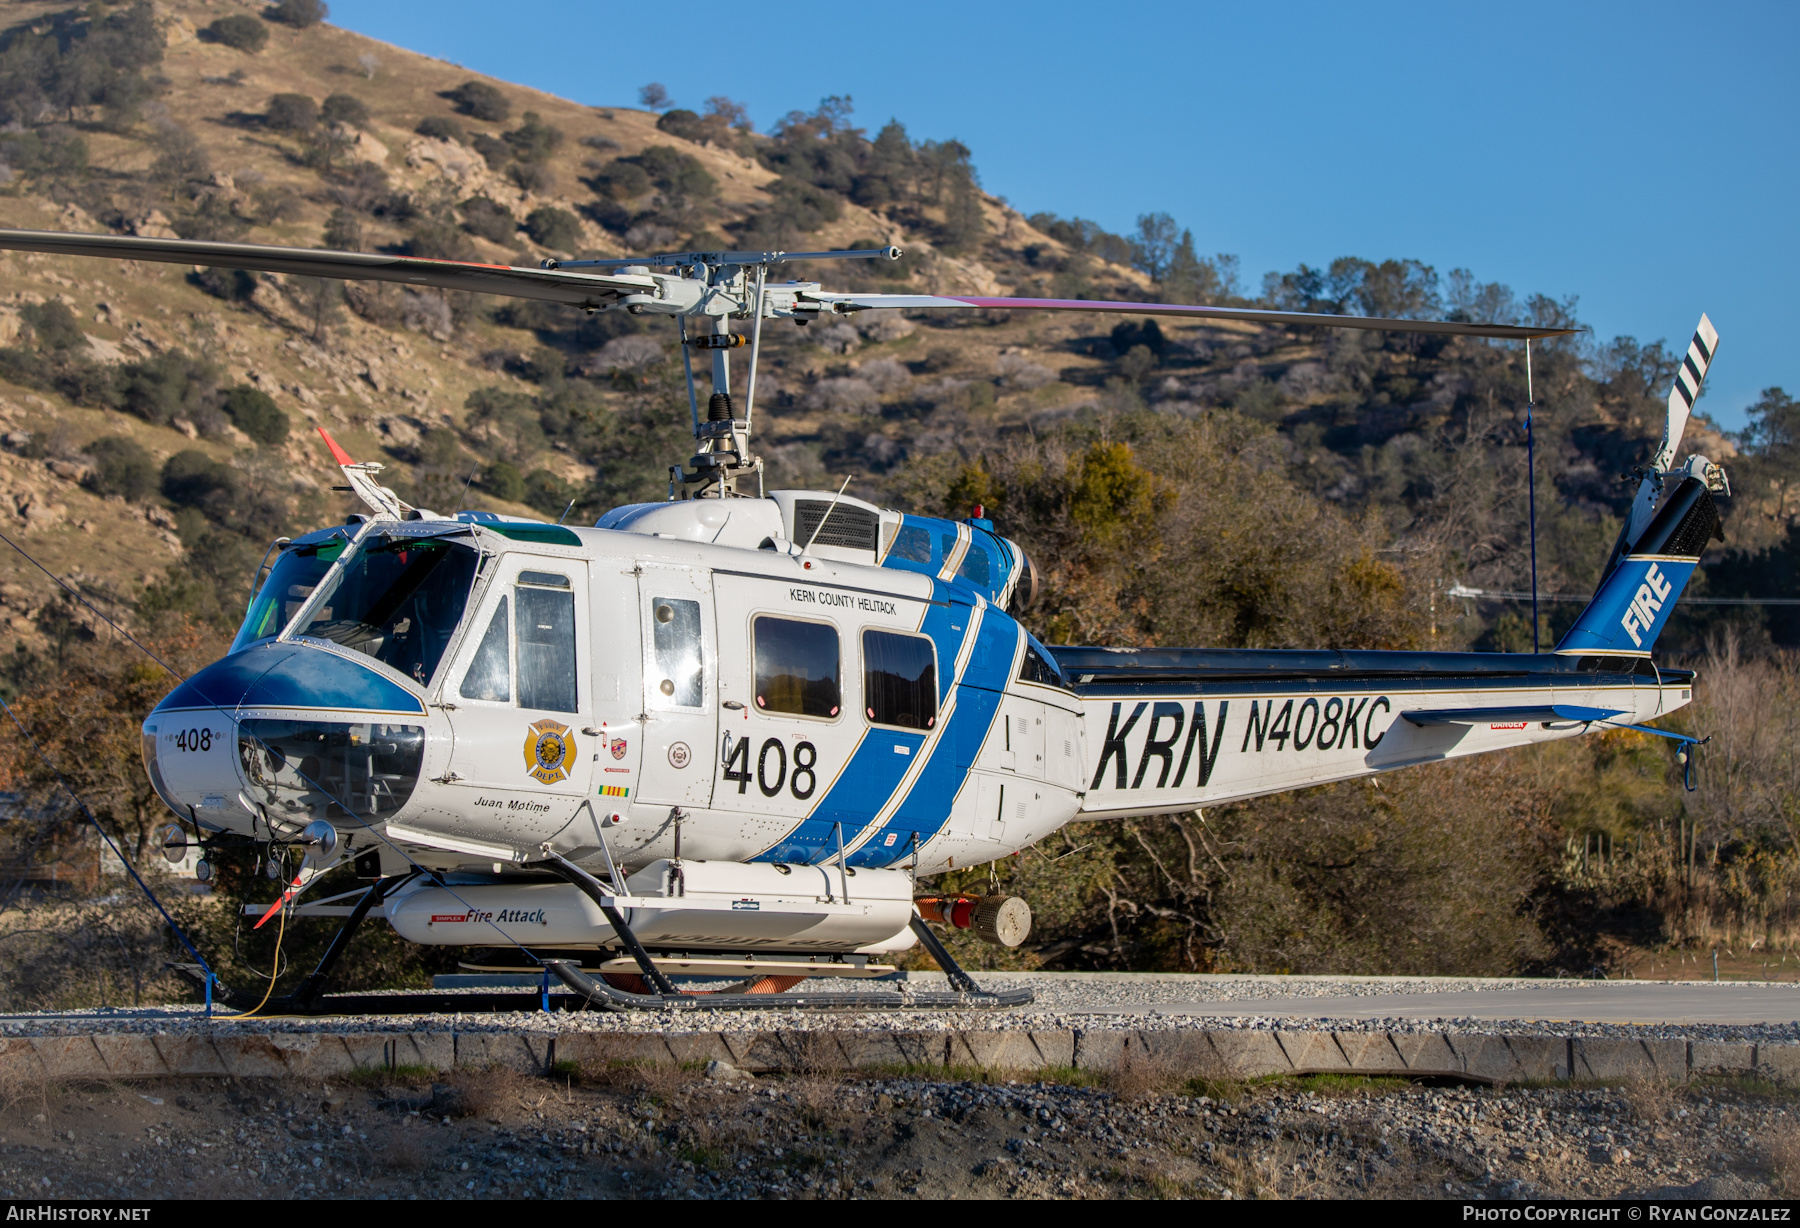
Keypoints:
(772, 768)
(194, 739)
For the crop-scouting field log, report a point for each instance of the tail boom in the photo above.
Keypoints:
(1156, 744)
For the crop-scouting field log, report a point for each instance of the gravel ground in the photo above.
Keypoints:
(1089, 1001)
(663, 1133)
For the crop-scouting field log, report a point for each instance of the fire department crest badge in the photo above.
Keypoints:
(548, 750)
(618, 748)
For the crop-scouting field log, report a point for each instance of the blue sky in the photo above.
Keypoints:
(1642, 156)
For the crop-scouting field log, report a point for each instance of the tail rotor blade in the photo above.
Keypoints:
(1688, 378)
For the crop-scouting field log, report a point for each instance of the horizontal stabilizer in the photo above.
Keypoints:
(1502, 716)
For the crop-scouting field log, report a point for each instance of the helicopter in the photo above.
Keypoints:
(724, 734)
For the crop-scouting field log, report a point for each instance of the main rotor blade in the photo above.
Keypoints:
(1507, 332)
(550, 285)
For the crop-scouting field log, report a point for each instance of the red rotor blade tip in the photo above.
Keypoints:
(338, 454)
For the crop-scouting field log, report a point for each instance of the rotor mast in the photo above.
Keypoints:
(735, 288)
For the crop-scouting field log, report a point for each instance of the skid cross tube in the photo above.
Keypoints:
(590, 887)
(962, 980)
(309, 990)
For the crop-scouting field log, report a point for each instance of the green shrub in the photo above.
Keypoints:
(168, 386)
(554, 228)
(437, 240)
(298, 13)
(291, 113)
(488, 219)
(55, 325)
(255, 413)
(622, 180)
(55, 62)
(532, 177)
(232, 285)
(496, 151)
(39, 151)
(343, 231)
(504, 482)
(479, 100)
(193, 479)
(534, 140)
(240, 30)
(122, 467)
(345, 109)
(546, 492)
(680, 174)
(440, 128)
(180, 159)
(681, 123)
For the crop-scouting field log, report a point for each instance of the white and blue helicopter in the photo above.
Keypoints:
(723, 734)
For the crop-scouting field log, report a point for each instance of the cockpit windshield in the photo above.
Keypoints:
(297, 572)
(397, 599)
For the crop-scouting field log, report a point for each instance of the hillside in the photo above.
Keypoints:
(242, 127)
(199, 155)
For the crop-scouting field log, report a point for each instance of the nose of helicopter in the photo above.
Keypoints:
(290, 675)
(288, 732)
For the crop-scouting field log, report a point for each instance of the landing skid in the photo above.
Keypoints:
(585, 991)
(968, 995)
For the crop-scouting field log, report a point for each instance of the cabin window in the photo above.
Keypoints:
(796, 667)
(546, 647)
(1039, 667)
(490, 673)
(974, 568)
(912, 543)
(676, 640)
(899, 680)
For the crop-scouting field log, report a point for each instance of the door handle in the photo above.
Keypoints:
(590, 731)
(733, 705)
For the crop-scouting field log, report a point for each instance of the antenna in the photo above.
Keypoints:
(464, 498)
(1531, 492)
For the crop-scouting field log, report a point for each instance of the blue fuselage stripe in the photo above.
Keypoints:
(871, 777)
(875, 770)
(927, 805)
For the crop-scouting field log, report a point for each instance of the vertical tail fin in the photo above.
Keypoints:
(1672, 518)
(1638, 595)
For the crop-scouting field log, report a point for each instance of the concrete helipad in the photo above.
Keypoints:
(1242, 1026)
(1612, 1002)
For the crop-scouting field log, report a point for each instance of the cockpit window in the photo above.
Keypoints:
(398, 600)
(296, 573)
